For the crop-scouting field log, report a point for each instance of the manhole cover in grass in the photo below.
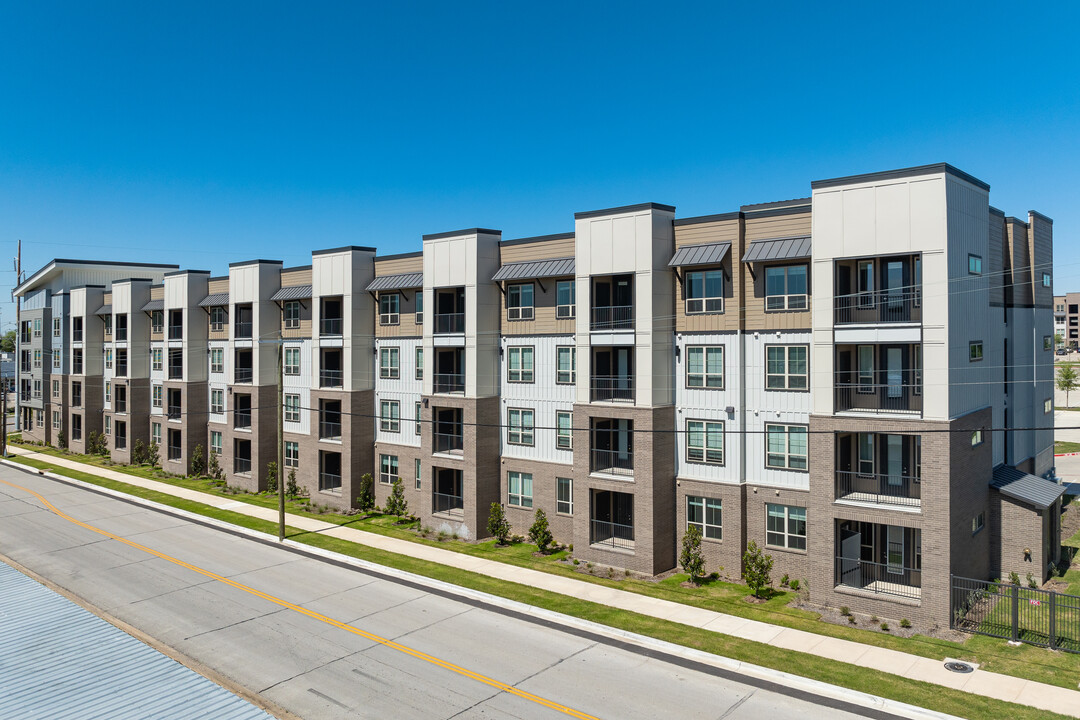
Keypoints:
(958, 667)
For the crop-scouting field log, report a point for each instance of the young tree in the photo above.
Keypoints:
(291, 488)
(197, 465)
(7, 343)
(213, 468)
(138, 453)
(1059, 340)
(366, 499)
(756, 568)
(61, 440)
(271, 478)
(498, 525)
(540, 533)
(691, 559)
(1066, 381)
(396, 504)
(152, 455)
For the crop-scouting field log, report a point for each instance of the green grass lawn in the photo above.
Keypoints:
(1026, 661)
(1063, 446)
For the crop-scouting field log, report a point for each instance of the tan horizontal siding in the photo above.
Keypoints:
(157, 292)
(700, 233)
(304, 331)
(541, 250)
(545, 302)
(217, 286)
(399, 266)
(708, 322)
(778, 226)
(407, 326)
(756, 316)
(292, 278)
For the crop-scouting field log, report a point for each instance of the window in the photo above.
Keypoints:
(108, 358)
(217, 319)
(866, 453)
(705, 367)
(566, 297)
(419, 315)
(56, 388)
(564, 496)
(108, 391)
(978, 522)
(157, 321)
(974, 265)
(417, 473)
(520, 366)
(1048, 342)
(156, 356)
(417, 422)
(520, 429)
(1045, 281)
(37, 358)
(704, 292)
(389, 416)
(705, 442)
(566, 365)
(389, 309)
(389, 363)
(520, 489)
(215, 440)
(37, 326)
(975, 351)
(108, 423)
(39, 419)
(976, 438)
(706, 514)
(292, 314)
(217, 401)
(56, 327)
(786, 446)
(785, 288)
(292, 408)
(155, 435)
(1048, 406)
(56, 359)
(106, 319)
(866, 368)
(56, 419)
(217, 360)
(785, 526)
(292, 454)
(786, 367)
(156, 394)
(419, 363)
(564, 430)
(519, 302)
(388, 469)
(292, 361)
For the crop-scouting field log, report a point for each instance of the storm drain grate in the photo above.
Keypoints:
(958, 667)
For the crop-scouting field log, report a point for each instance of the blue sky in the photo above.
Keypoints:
(207, 133)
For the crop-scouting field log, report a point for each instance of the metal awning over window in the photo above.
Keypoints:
(397, 282)
(104, 310)
(707, 254)
(154, 305)
(296, 292)
(792, 248)
(529, 269)
(1027, 488)
(215, 299)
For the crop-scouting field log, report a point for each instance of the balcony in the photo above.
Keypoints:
(174, 412)
(611, 462)
(242, 330)
(611, 534)
(612, 447)
(449, 311)
(613, 317)
(242, 465)
(449, 323)
(330, 326)
(878, 578)
(444, 503)
(176, 332)
(331, 378)
(174, 453)
(448, 443)
(329, 430)
(619, 388)
(448, 383)
(879, 488)
(77, 335)
(331, 314)
(882, 306)
(329, 481)
(446, 496)
(882, 391)
(611, 519)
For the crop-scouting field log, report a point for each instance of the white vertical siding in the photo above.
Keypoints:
(543, 396)
(703, 404)
(300, 385)
(763, 407)
(406, 389)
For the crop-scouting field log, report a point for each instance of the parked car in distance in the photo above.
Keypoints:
(1062, 351)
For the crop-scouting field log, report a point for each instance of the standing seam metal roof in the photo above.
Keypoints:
(706, 254)
(1025, 487)
(104, 310)
(154, 305)
(215, 299)
(295, 292)
(552, 267)
(778, 249)
(397, 282)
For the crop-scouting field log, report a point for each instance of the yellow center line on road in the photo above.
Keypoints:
(317, 616)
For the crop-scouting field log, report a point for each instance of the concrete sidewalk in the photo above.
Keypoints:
(987, 684)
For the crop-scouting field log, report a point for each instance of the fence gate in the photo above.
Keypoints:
(1029, 615)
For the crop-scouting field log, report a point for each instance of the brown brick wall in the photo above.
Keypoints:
(545, 488)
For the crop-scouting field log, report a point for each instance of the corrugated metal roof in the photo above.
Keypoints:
(778, 249)
(552, 267)
(60, 660)
(214, 299)
(397, 282)
(104, 310)
(1022, 486)
(154, 305)
(296, 292)
(707, 254)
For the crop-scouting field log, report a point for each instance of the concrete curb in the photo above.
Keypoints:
(807, 685)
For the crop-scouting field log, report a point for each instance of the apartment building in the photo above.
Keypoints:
(1067, 319)
(859, 381)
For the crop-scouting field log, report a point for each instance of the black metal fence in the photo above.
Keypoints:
(1013, 612)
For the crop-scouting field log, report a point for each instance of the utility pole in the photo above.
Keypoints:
(281, 437)
(18, 343)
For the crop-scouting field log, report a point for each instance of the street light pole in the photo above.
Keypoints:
(281, 438)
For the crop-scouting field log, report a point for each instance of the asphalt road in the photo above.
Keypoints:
(323, 641)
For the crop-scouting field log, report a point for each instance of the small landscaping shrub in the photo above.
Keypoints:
(576, 561)
(498, 526)
(138, 453)
(885, 626)
(784, 580)
(291, 488)
(366, 500)
(197, 466)
(756, 568)
(1014, 578)
(691, 559)
(714, 576)
(851, 619)
(794, 584)
(845, 610)
(61, 440)
(1031, 581)
(540, 533)
(271, 478)
(396, 504)
(873, 618)
(213, 467)
(905, 623)
(626, 573)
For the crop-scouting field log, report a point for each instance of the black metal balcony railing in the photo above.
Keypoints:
(24, 367)
(121, 334)
(612, 388)
(174, 452)
(331, 378)
(612, 462)
(242, 465)
(443, 503)
(448, 383)
(243, 375)
(449, 323)
(879, 488)
(613, 317)
(76, 401)
(881, 306)
(879, 578)
(176, 372)
(76, 335)
(448, 443)
(121, 406)
(890, 391)
(242, 419)
(24, 396)
(330, 326)
(611, 534)
(176, 332)
(121, 369)
(242, 330)
(174, 412)
(329, 481)
(329, 430)
(76, 368)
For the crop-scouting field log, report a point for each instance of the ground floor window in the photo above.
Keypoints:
(706, 515)
(565, 501)
(292, 454)
(785, 526)
(520, 489)
(388, 469)
(215, 440)
(417, 473)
